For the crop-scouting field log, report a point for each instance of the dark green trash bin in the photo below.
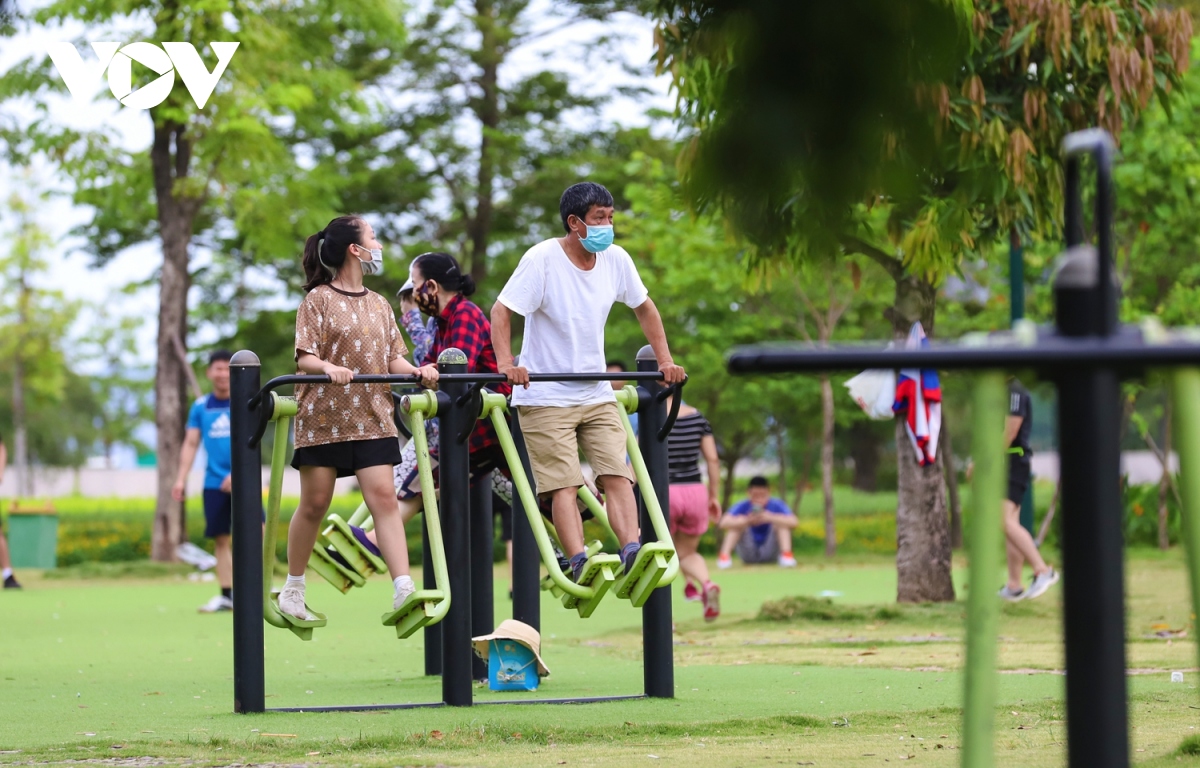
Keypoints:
(33, 534)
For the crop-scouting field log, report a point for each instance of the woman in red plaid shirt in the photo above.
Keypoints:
(440, 289)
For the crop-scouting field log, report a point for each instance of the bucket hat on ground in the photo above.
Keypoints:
(517, 631)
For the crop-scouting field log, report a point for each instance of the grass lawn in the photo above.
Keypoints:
(123, 668)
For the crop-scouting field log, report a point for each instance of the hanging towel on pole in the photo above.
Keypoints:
(919, 400)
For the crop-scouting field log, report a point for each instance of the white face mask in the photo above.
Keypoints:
(375, 265)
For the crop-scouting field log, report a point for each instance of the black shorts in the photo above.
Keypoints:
(218, 513)
(1019, 475)
(504, 512)
(350, 456)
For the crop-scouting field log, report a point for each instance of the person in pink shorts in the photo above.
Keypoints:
(693, 505)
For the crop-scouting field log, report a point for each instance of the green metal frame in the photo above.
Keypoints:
(433, 604)
(283, 409)
(1185, 402)
(985, 543)
(423, 607)
(656, 564)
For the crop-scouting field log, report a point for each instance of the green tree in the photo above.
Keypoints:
(1032, 72)
(34, 322)
(121, 388)
(287, 129)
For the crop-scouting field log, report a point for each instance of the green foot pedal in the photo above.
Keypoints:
(328, 568)
(339, 536)
(416, 612)
(302, 628)
(647, 571)
(599, 574)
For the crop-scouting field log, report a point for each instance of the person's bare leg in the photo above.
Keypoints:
(224, 554)
(409, 508)
(1021, 540)
(379, 493)
(621, 507)
(784, 535)
(316, 491)
(1015, 564)
(5, 562)
(567, 522)
(691, 562)
(730, 542)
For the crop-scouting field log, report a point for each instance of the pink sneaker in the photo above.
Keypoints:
(690, 593)
(712, 601)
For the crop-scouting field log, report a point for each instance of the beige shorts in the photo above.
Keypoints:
(554, 435)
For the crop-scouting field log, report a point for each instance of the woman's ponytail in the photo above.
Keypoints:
(325, 251)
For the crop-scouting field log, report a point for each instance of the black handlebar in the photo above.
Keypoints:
(265, 408)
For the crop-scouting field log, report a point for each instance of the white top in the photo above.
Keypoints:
(565, 310)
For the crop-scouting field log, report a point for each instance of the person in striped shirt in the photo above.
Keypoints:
(693, 505)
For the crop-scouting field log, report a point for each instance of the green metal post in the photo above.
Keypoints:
(1185, 402)
(984, 543)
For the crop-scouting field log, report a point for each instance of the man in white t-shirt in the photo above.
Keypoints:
(565, 287)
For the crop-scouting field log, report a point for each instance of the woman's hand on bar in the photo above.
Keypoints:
(428, 375)
(337, 374)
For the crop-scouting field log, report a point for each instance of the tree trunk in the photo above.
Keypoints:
(170, 157)
(20, 433)
(731, 459)
(487, 110)
(865, 449)
(781, 451)
(922, 521)
(827, 425)
(947, 452)
(1164, 484)
(20, 440)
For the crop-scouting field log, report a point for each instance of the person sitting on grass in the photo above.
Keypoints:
(769, 522)
(6, 571)
(565, 288)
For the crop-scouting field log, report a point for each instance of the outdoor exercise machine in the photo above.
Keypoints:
(1086, 355)
(459, 530)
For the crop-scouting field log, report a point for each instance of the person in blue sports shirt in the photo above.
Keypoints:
(769, 523)
(208, 423)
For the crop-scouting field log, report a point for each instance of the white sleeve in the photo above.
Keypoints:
(524, 290)
(633, 291)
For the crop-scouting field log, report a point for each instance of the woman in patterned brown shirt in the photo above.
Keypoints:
(342, 330)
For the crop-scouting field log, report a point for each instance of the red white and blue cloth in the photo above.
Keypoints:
(919, 400)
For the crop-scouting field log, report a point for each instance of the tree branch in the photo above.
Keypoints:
(890, 264)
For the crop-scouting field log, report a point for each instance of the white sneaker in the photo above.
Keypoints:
(787, 561)
(1011, 595)
(402, 594)
(217, 604)
(193, 555)
(1042, 583)
(291, 602)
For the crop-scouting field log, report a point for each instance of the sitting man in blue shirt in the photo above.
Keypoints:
(208, 421)
(769, 523)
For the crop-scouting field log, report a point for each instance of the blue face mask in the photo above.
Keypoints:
(598, 238)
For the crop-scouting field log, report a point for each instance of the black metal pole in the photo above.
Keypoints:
(483, 534)
(433, 632)
(1089, 408)
(526, 568)
(658, 668)
(455, 478)
(249, 675)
